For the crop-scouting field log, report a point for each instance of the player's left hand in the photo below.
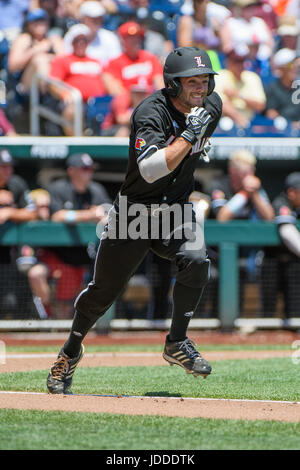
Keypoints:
(196, 123)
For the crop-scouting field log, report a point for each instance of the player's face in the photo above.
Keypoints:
(80, 177)
(294, 197)
(194, 92)
(238, 172)
(5, 173)
(93, 24)
(79, 45)
(131, 44)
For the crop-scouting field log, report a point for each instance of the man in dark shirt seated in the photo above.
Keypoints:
(280, 270)
(240, 195)
(14, 203)
(75, 199)
(17, 207)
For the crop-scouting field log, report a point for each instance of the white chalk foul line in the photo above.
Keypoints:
(236, 400)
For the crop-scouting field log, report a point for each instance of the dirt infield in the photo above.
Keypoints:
(163, 406)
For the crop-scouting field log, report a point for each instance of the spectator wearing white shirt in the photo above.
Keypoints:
(240, 28)
(104, 45)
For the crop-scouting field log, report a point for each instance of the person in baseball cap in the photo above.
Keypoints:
(36, 15)
(104, 44)
(131, 28)
(140, 62)
(292, 181)
(76, 31)
(92, 9)
(283, 261)
(5, 157)
(187, 62)
(80, 160)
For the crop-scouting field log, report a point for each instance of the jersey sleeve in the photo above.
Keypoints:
(218, 197)
(57, 197)
(99, 195)
(214, 106)
(148, 133)
(19, 189)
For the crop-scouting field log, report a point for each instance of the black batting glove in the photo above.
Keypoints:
(196, 123)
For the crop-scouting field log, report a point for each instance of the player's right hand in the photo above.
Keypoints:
(196, 123)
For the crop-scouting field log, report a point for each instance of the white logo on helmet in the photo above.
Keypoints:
(86, 159)
(198, 60)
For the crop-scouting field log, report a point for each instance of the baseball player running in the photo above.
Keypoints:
(169, 130)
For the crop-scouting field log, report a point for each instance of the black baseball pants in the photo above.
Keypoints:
(117, 259)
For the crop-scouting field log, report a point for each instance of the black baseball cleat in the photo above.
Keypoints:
(59, 380)
(184, 354)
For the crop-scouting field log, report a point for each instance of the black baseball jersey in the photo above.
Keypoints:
(63, 196)
(285, 213)
(155, 123)
(18, 187)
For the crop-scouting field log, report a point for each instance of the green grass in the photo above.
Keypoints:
(149, 348)
(268, 379)
(21, 430)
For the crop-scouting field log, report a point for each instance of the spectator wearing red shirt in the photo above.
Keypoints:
(77, 70)
(134, 63)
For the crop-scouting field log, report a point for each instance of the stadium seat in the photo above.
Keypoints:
(96, 110)
(169, 7)
(260, 126)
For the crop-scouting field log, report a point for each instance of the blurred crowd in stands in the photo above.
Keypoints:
(113, 52)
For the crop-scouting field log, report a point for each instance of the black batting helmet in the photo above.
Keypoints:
(187, 62)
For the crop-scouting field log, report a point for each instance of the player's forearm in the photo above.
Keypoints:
(176, 152)
(257, 106)
(232, 209)
(23, 215)
(290, 236)
(71, 216)
(224, 214)
(263, 207)
(163, 161)
(160, 163)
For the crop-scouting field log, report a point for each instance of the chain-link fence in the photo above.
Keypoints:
(268, 288)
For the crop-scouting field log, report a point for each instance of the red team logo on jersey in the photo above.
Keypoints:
(140, 143)
(218, 194)
(284, 210)
(198, 60)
